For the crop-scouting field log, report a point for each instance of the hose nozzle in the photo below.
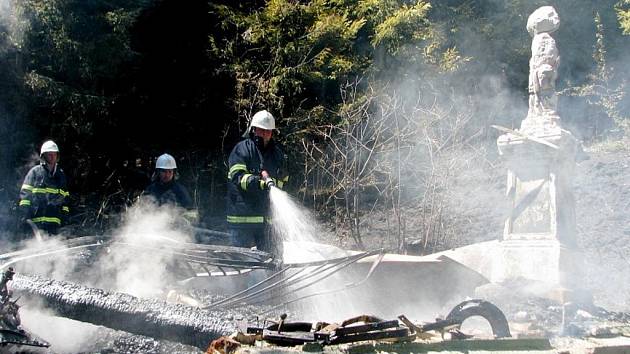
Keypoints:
(269, 182)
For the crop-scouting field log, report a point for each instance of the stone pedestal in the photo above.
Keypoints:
(539, 238)
(539, 186)
(546, 261)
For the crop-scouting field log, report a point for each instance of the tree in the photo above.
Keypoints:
(623, 14)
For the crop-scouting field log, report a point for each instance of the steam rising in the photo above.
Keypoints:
(133, 265)
(136, 266)
(467, 172)
(64, 335)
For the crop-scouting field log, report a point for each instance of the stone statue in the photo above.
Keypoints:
(543, 71)
(539, 237)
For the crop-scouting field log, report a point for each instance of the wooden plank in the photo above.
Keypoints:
(614, 349)
(455, 345)
(341, 331)
(288, 338)
(395, 333)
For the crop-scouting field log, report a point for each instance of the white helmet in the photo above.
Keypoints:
(49, 146)
(262, 119)
(165, 162)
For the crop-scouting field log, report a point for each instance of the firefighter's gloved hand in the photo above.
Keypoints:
(264, 175)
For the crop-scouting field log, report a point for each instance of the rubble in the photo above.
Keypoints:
(13, 337)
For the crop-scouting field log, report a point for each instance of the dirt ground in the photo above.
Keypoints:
(474, 209)
(602, 191)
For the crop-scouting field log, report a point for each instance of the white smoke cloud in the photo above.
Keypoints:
(64, 335)
(139, 263)
(47, 258)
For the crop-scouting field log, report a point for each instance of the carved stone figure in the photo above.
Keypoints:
(539, 238)
(543, 70)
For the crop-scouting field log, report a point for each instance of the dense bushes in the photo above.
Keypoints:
(363, 90)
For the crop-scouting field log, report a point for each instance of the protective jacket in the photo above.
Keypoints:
(247, 196)
(44, 197)
(169, 193)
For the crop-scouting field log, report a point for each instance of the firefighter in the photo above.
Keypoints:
(44, 196)
(164, 188)
(255, 165)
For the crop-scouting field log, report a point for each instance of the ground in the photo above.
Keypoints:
(473, 210)
(602, 191)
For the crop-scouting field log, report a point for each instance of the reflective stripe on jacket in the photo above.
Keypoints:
(44, 196)
(247, 199)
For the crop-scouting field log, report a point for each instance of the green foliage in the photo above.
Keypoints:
(186, 75)
(70, 48)
(406, 24)
(294, 56)
(623, 15)
(603, 91)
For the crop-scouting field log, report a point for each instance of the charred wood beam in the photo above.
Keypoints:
(149, 317)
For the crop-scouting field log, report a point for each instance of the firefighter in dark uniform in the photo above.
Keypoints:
(255, 165)
(44, 196)
(165, 189)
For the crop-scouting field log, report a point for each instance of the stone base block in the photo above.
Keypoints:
(545, 261)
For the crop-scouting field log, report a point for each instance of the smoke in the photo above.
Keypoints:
(64, 335)
(428, 146)
(139, 262)
(437, 159)
(49, 260)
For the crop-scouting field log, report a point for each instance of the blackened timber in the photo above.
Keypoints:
(342, 331)
(401, 332)
(149, 317)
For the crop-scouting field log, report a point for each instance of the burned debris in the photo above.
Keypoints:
(215, 317)
(371, 328)
(14, 338)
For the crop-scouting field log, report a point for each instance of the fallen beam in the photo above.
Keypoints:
(462, 346)
(149, 317)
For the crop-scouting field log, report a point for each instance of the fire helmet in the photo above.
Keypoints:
(49, 146)
(165, 162)
(262, 119)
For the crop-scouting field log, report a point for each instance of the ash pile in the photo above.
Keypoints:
(533, 312)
